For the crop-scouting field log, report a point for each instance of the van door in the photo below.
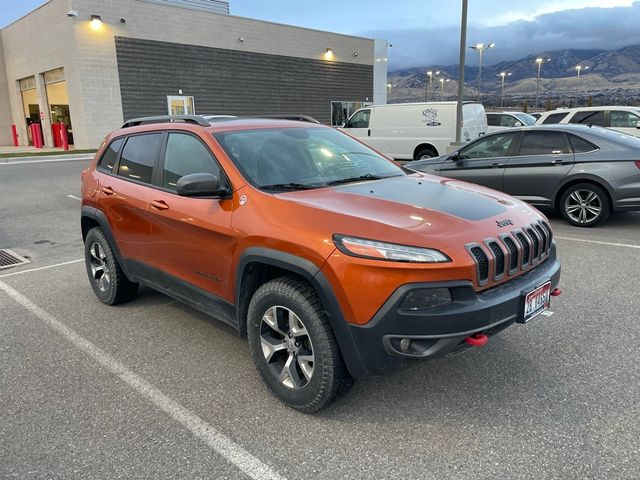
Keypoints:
(358, 124)
(474, 121)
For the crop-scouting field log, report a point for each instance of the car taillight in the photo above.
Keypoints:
(637, 163)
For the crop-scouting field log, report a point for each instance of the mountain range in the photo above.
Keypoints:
(606, 75)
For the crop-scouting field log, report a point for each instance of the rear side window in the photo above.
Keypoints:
(554, 118)
(580, 145)
(110, 155)
(591, 117)
(139, 156)
(542, 143)
(185, 155)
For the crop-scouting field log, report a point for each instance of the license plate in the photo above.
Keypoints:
(537, 301)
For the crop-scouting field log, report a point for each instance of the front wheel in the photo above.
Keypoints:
(293, 346)
(585, 205)
(426, 153)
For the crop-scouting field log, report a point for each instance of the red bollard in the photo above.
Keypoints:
(38, 129)
(55, 134)
(34, 138)
(14, 134)
(64, 139)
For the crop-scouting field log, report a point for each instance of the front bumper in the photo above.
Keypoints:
(443, 330)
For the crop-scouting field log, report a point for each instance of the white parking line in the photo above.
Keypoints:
(44, 160)
(597, 242)
(41, 268)
(74, 197)
(217, 441)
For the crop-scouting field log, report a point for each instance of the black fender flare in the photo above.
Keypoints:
(312, 273)
(99, 217)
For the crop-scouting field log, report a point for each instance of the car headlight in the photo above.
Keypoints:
(364, 248)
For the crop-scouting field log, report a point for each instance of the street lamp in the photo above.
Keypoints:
(579, 68)
(462, 51)
(480, 48)
(428, 86)
(442, 82)
(539, 61)
(502, 76)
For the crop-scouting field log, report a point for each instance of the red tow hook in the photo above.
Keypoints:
(477, 340)
(556, 292)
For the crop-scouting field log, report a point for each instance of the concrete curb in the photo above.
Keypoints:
(47, 158)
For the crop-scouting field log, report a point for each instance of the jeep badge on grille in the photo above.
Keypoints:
(504, 223)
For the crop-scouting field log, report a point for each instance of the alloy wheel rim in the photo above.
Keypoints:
(99, 267)
(583, 206)
(286, 347)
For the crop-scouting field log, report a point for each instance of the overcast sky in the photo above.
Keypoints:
(425, 32)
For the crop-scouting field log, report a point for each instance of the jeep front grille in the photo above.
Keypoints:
(512, 252)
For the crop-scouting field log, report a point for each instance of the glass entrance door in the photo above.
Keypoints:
(179, 105)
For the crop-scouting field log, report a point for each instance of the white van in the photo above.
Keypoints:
(411, 131)
(621, 118)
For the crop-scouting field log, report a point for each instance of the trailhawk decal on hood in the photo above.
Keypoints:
(437, 196)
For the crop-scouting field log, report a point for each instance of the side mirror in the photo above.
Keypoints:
(517, 124)
(200, 185)
(455, 156)
(637, 124)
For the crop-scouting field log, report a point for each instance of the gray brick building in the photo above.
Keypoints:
(93, 63)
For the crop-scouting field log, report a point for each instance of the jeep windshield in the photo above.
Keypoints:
(285, 159)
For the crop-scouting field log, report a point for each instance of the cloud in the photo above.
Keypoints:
(586, 28)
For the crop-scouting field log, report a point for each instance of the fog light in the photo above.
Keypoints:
(425, 298)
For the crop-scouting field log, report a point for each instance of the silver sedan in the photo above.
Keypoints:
(584, 172)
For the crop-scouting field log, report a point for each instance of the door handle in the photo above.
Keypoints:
(496, 165)
(369, 133)
(556, 161)
(159, 205)
(108, 191)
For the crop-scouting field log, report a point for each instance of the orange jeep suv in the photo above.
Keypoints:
(334, 261)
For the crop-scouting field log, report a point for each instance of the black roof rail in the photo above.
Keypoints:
(193, 119)
(295, 117)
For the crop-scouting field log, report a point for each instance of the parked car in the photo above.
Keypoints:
(536, 115)
(586, 173)
(410, 131)
(334, 261)
(622, 119)
(497, 121)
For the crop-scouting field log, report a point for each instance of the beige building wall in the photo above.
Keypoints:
(97, 63)
(5, 110)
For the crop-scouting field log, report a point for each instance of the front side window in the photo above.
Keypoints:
(185, 155)
(590, 117)
(139, 156)
(298, 158)
(360, 119)
(110, 155)
(554, 118)
(507, 121)
(525, 118)
(542, 143)
(622, 119)
(490, 147)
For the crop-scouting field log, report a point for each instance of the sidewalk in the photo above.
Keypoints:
(47, 158)
(12, 154)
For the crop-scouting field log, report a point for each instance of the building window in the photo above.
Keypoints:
(180, 105)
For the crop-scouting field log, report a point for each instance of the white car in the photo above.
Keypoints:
(502, 120)
(623, 119)
(411, 131)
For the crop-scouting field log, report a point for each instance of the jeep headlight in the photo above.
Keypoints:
(364, 248)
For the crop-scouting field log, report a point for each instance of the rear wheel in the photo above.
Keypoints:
(585, 205)
(107, 279)
(293, 346)
(426, 152)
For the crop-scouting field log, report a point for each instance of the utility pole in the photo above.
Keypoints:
(463, 49)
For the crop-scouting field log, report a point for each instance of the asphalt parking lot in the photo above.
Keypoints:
(154, 389)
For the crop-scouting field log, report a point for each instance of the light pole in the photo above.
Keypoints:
(539, 61)
(480, 48)
(502, 76)
(429, 85)
(579, 68)
(463, 42)
(442, 82)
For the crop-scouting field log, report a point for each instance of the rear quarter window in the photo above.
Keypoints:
(580, 145)
(555, 118)
(110, 155)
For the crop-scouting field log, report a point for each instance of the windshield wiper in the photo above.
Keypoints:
(360, 178)
(288, 186)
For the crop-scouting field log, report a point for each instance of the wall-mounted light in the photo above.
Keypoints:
(241, 40)
(356, 53)
(96, 21)
(72, 13)
(328, 54)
